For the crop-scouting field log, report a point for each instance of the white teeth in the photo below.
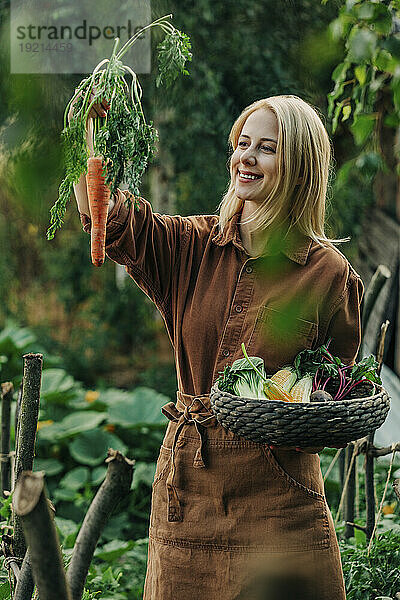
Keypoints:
(249, 176)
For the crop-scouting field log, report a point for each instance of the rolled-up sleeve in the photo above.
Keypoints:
(147, 243)
(345, 323)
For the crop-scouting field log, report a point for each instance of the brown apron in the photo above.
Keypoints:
(231, 518)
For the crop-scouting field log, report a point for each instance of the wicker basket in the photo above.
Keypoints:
(303, 424)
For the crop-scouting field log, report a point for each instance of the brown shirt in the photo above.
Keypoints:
(213, 296)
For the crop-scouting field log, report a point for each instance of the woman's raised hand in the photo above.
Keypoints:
(97, 110)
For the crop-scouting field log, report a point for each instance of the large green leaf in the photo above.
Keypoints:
(51, 466)
(13, 336)
(57, 386)
(143, 407)
(76, 478)
(90, 448)
(78, 422)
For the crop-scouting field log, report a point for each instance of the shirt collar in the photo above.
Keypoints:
(295, 245)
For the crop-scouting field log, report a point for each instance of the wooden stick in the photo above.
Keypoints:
(369, 488)
(31, 505)
(369, 458)
(25, 583)
(115, 486)
(356, 526)
(374, 451)
(350, 492)
(7, 390)
(379, 278)
(381, 346)
(396, 487)
(27, 427)
(381, 504)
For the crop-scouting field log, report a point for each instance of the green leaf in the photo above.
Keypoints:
(360, 72)
(51, 466)
(143, 407)
(64, 494)
(144, 473)
(395, 85)
(67, 530)
(5, 593)
(98, 475)
(384, 61)
(90, 448)
(361, 45)
(57, 386)
(76, 478)
(377, 14)
(392, 45)
(346, 112)
(114, 549)
(80, 421)
(362, 127)
(336, 114)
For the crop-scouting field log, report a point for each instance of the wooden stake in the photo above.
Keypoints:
(115, 486)
(31, 506)
(27, 426)
(7, 390)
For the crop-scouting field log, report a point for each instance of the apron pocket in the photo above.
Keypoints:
(163, 463)
(299, 470)
(236, 502)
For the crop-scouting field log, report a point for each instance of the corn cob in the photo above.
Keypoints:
(274, 391)
(302, 389)
(285, 377)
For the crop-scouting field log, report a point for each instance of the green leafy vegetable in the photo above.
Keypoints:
(323, 366)
(241, 379)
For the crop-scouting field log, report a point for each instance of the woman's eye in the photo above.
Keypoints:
(266, 148)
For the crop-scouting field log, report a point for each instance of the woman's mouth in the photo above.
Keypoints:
(247, 177)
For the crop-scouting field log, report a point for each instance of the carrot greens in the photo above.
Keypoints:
(125, 140)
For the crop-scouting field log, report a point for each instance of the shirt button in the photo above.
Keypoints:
(238, 308)
(226, 352)
(249, 269)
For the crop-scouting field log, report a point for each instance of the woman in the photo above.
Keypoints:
(225, 511)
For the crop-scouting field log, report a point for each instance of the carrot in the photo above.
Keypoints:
(99, 197)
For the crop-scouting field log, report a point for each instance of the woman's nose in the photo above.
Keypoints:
(248, 157)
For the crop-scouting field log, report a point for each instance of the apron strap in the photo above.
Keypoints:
(195, 413)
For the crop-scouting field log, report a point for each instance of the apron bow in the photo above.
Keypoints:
(183, 414)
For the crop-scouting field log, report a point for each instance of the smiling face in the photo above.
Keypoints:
(254, 162)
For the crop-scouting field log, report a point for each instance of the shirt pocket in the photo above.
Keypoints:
(278, 337)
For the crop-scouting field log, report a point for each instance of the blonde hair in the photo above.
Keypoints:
(303, 151)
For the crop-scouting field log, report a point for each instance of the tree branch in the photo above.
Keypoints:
(6, 397)
(31, 505)
(27, 426)
(115, 486)
(356, 526)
